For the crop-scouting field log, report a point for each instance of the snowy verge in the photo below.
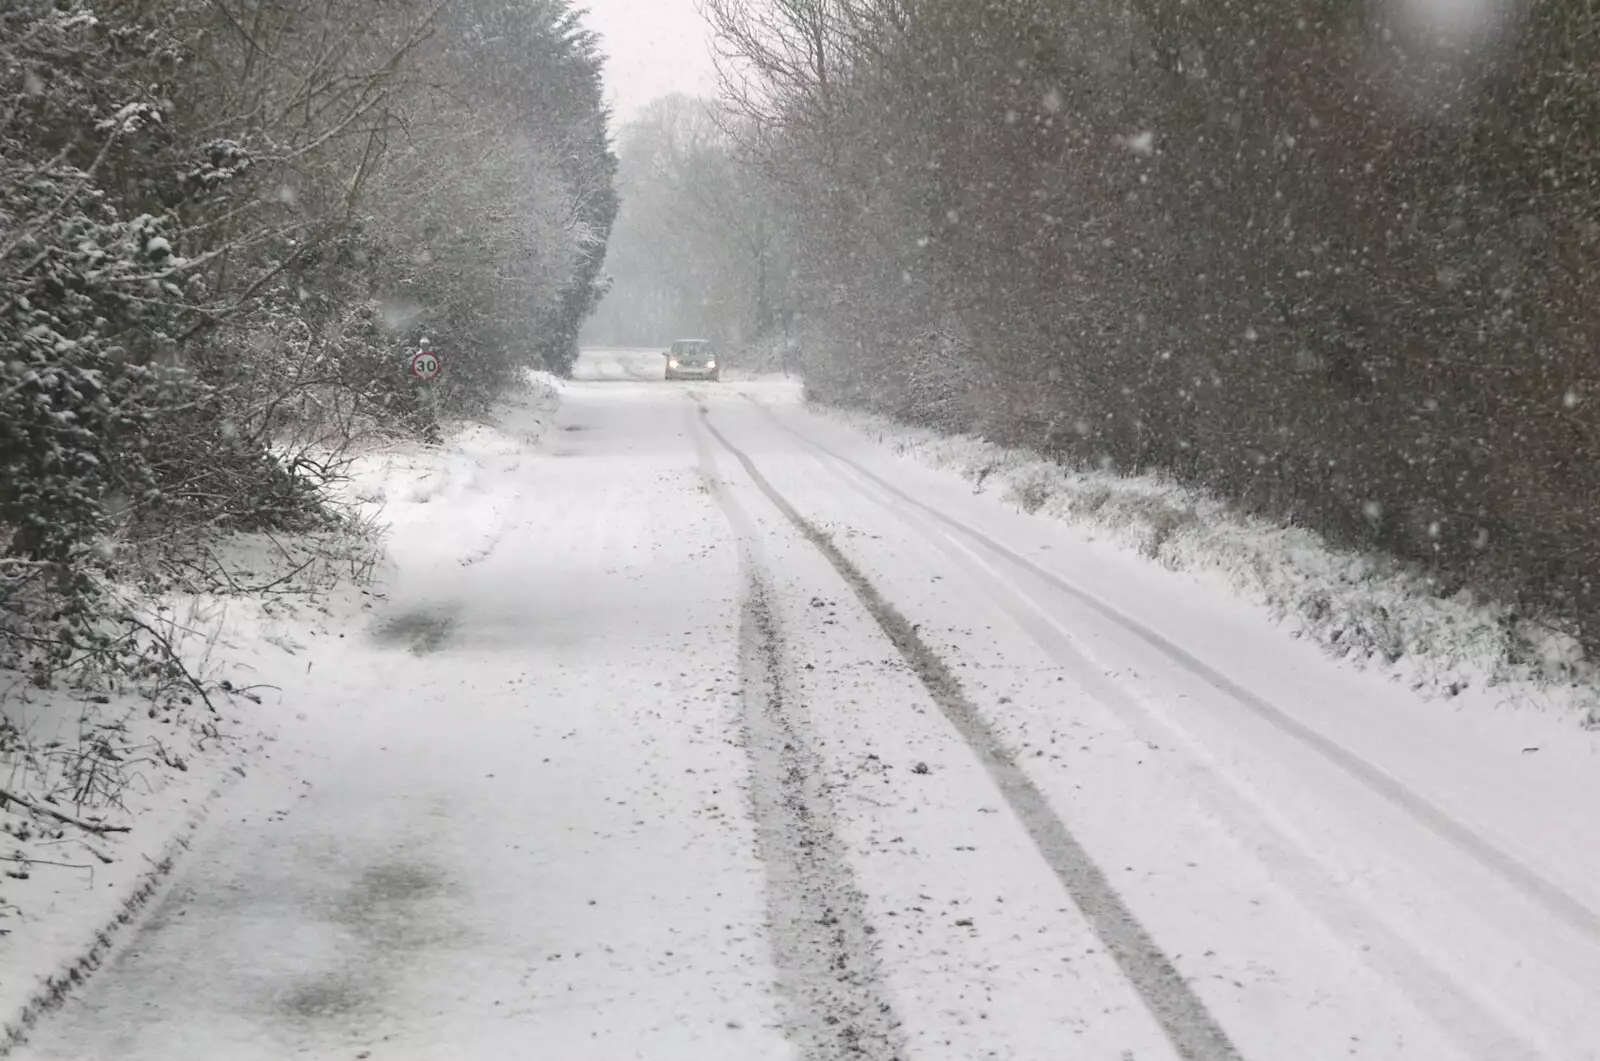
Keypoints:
(249, 616)
(123, 899)
(105, 784)
(1370, 609)
(442, 505)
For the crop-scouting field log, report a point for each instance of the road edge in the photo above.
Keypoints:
(56, 987)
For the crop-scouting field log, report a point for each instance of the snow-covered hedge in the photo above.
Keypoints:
(211, 282)
(221, 242)
(1338, 266)
(1362, 606)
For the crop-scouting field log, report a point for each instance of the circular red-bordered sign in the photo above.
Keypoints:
(426, 365)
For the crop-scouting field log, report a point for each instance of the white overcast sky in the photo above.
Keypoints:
(652, 48)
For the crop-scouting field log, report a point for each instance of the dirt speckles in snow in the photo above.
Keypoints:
(827, 963)
(821, 936)
(1189, 1025)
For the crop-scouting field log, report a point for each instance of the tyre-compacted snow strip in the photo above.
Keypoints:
(828, 973)
(1313, 916)
(1189, 1026)
(1459, 1014)
(1576, 914)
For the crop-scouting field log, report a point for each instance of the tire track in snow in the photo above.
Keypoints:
(827, 964)
(1471, 1022)
(1551, 896)
(1194, 1033)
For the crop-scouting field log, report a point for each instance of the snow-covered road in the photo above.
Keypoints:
(701, 727)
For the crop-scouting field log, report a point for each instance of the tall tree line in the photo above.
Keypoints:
(1337, 260)
(225, 225)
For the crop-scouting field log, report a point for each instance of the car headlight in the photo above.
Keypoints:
(711, 364)
(673, 363)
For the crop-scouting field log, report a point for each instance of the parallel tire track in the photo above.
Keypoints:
(1190, 1027)
(1456, 1011)
(827, 965)
(1551, 896)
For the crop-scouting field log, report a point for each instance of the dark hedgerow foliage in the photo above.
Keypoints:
(1332, 262)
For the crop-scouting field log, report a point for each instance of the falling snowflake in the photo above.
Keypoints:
(1140, 143)
(398, 316)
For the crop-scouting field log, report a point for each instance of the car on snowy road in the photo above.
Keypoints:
(693, 359)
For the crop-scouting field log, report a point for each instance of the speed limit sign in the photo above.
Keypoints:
(425, 365)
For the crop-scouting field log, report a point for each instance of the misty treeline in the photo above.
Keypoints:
(1330, 259)
(700, 248)
(225, 226)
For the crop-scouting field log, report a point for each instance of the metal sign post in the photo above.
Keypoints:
(426, 367)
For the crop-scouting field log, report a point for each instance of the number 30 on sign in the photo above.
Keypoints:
(425, 365)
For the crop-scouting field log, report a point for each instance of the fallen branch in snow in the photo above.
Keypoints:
(36, 807)
(256, 591)
(95, 851)
(26, 860)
